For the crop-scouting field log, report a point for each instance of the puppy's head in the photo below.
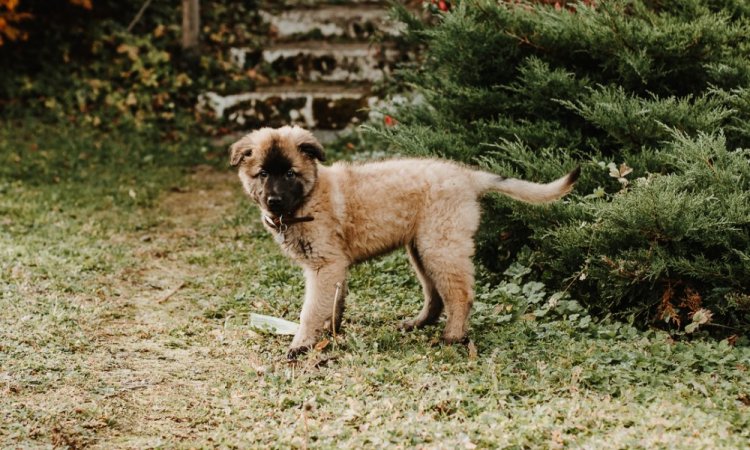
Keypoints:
(277, 167)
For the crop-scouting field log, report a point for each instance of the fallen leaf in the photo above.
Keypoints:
(702, 316)
(322, 344)
(472, 350)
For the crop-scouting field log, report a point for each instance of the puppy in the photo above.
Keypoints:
(329, 218)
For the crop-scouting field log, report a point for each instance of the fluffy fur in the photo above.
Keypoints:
(360, 211)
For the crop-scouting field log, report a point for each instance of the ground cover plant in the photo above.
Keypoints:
(651, 98)
(124, 323)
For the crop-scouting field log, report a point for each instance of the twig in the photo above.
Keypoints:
(172, 292)
(304, 425)
(335, 310)
(324, 362)
(138, 16)
(525, 40)
(131, 387)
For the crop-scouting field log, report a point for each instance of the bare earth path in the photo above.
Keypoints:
(151, 369)
(160, 359)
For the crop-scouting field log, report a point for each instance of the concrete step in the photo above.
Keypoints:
(329, 62)
(279, 5)
(358, 22)
(311, 105)
(323, 136)
(321, 49)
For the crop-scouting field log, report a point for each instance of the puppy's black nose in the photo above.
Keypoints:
(274, 201)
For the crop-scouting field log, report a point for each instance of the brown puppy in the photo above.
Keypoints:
(329, 218)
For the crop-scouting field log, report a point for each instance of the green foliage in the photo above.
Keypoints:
(630, 89)
(682, 232)
(87, 67)
(34, 152)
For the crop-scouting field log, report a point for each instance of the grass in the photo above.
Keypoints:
(125, 293)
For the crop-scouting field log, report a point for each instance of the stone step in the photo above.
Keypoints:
(359, 22)
(310, 105)
(323, 47)
(329, 62)
(270, 5)
(323, 136)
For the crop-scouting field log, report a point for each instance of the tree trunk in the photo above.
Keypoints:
(191, 23)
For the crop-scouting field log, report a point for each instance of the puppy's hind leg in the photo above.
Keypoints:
(317, 310)
(454, 279)
(446, 249)
(433, 303)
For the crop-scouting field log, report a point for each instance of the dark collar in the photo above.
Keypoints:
(281, 222)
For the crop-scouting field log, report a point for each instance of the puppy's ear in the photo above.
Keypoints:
(238, 152)
(313, 149)
(305, 141)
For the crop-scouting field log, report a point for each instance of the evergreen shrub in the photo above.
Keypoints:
(651, 98)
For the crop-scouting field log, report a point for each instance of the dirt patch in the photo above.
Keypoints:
(208, 195)
(157, 357)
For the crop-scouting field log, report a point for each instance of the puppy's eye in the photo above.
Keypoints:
(290, 174)
(263, 174)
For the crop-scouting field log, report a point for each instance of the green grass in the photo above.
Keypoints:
(123, 323)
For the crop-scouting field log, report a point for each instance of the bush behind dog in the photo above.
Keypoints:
(652, 100)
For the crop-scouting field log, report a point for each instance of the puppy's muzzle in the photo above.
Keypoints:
(274, 202)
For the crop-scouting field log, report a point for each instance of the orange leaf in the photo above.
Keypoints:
(667, 310)
(10, 5)
(322, 344)
(85, 4)
(692, 300)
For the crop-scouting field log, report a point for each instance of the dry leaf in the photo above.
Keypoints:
(472, 350)
(620, 172)
(700, 317)
(613, 171)
(85, 4)
(322, 344)
(131, 50)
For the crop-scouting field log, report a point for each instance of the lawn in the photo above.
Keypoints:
(127, 282)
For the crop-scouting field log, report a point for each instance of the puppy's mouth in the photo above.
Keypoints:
(277, 207)
(277, 212)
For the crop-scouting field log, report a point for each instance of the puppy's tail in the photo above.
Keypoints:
(527, 191)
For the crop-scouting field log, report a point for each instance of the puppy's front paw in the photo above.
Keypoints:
(409, 325)
(450, 340)
(294, 352)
